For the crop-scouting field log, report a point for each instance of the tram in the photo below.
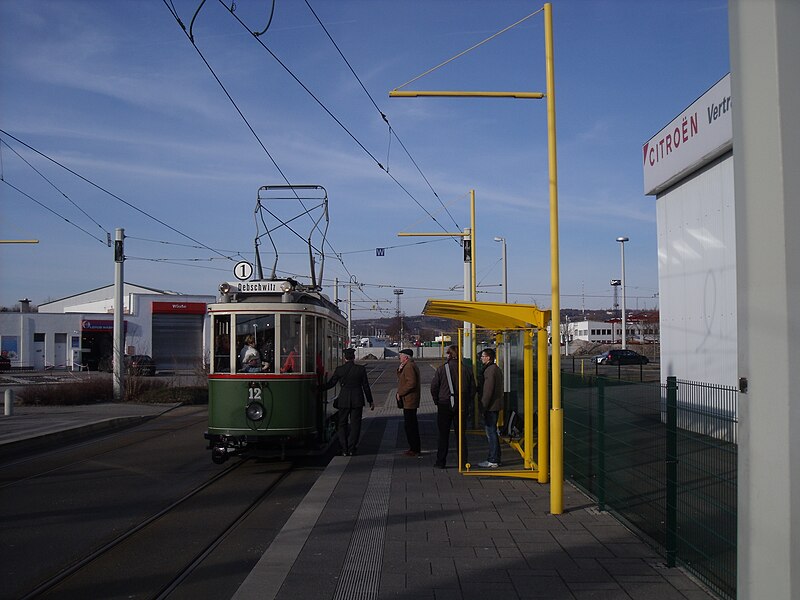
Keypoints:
(274, 341)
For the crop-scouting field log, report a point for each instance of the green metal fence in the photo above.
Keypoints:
(663, 459)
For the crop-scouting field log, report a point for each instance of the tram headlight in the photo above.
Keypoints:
(286, 287)
(225, 288)
(255, 411)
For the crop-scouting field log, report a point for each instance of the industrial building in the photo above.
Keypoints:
(76, 332)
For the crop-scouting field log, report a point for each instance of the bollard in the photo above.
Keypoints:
(9, 398)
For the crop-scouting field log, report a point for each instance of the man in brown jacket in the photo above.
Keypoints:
(408, 393)
(491, 403)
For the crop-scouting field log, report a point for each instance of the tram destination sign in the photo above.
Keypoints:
(258, 287)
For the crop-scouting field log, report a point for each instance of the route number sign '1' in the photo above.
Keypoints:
(243, 270)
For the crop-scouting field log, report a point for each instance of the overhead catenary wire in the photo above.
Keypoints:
(392, 131)
(330, 114)
(116, 197)
(168, 243)
(190, 37)
(47, 208)
(55, 187)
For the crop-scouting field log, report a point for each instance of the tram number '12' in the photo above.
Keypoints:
(254, 393)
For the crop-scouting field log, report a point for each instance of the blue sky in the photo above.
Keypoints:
(115, 91)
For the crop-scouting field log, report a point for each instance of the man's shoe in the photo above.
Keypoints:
(410, 453)
(354, 451)
(440, 465)
(488, 465)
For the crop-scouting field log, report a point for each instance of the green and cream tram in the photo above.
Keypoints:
(274, 342)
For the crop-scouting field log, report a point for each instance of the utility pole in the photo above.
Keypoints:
(119, 334)
(398, 292)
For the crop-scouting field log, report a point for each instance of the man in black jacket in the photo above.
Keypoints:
(444, 391)
(350, 401)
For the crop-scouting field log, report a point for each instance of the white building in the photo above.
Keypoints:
(76, 332)
(641, 329)
(688, 165)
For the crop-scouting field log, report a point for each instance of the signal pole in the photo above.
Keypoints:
(119, 334)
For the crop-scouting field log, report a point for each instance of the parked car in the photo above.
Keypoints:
(5, 363)
(140, 364)
(621, 357)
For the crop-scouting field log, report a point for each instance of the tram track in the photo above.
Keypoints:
(153, 558)
(8, 478)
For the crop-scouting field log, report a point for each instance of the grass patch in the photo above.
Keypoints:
(90, 391)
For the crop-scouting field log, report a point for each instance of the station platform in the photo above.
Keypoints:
(385, 525)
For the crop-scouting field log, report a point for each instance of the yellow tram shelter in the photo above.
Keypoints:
(531, 321)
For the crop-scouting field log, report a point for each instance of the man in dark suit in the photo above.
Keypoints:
(350, 401)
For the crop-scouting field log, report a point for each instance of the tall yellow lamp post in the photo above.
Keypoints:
(556, 411)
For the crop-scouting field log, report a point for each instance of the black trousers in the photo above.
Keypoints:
(349, 428)
(446, 419)
(412, 429)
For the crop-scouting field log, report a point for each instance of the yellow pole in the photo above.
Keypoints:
(543, 443)
(557, 416)
(461, 424)
(527, 378)
(473, 292)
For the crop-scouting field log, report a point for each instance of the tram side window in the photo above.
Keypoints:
(290, 343)
(255, 343)
(311, 354)
(222, 344)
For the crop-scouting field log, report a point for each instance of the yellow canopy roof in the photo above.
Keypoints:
(491, 315)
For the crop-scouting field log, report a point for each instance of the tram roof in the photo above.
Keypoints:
(491, 315)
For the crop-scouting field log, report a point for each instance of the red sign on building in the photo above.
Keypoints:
(184, 308)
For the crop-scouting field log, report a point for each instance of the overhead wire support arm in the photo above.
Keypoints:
(437, 234)
(397, 93)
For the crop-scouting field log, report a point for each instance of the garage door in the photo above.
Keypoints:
(178, 342)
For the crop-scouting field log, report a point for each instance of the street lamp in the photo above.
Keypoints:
(505, 268)
(622, 241)
(506, 355)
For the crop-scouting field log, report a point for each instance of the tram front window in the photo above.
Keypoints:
(255, 343)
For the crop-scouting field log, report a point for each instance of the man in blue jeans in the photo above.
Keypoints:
(491, 403)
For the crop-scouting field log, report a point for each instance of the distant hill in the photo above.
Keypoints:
(418, 325)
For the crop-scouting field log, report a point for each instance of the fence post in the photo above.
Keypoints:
(672, 471)
(9, 402)
(601, 444)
